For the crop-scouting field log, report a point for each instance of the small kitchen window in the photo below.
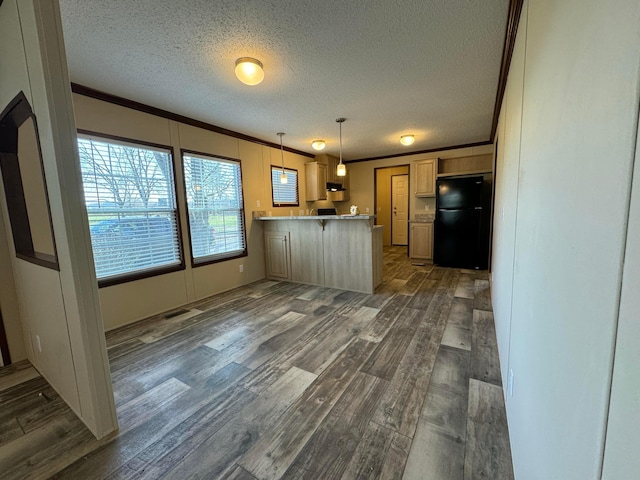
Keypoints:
(284, 194)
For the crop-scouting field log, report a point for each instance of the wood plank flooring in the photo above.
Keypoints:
(277, 380)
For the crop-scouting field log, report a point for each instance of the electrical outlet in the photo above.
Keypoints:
(366, 210)
(426, 208)
(241, 268)
(258, 203)
(38, 344)
(510, 383)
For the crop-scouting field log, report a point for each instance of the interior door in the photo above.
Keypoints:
(399, 209)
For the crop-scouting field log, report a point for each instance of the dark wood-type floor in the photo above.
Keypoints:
(280, 380)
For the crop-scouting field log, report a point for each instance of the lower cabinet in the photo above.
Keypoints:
(421, 241)
(278, 255)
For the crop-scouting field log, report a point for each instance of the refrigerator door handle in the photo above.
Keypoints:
(478, 208)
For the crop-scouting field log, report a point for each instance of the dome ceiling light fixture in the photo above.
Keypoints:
(318, 144)
(407, 139)
(283, 175)
(341, 171)
(249, 70)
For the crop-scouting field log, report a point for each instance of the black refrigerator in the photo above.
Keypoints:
(462, 222)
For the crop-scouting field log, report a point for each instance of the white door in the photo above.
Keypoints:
(399, 209)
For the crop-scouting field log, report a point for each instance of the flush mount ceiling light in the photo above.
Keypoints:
(407, 139)
(283, 176)
(318, 144)
(341, 171)
(249, 70)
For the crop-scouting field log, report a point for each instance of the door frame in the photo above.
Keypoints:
(375, 190)
(4, 344)
(408, 203)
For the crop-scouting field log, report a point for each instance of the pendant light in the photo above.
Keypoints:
(341, 171)
(283, 176)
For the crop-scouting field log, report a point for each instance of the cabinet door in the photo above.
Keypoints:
(421, 241)
(316, 181)
(322, 182)
(277, 255)
(426, 178)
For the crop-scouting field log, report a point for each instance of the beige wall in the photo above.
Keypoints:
(362, 178)
(565, 154)
(131, 301)
(60, 308)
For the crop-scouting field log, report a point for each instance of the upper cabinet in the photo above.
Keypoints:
(426, 177)
(332, 177)
(476, 164)
(332, 164)
(316, 181)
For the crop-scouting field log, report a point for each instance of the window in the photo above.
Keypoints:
(284, 193)
(129, 192)
(216, 209)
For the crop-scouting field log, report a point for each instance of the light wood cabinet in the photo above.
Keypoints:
(426, 178)
(316, 181)
(278, 257)
(421, 241)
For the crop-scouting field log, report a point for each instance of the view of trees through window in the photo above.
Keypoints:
(216, 211)
(130, 198)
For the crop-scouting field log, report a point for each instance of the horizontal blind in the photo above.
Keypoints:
(216, 212)
(284, 193)
(130, 198)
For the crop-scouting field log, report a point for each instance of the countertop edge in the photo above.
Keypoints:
(320, 217)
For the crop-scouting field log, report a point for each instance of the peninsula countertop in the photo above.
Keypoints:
(320, 217)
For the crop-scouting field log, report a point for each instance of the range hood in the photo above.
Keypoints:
(335, 187)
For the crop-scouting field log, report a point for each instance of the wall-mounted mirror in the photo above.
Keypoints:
(25, 186)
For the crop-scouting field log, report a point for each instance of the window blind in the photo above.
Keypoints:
(284, 193)
(215, 205)
(130, 198)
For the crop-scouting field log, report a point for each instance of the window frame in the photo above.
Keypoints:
(213, 157)
(273, 199)
(151, 272)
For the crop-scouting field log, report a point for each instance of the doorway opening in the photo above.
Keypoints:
(392, 203)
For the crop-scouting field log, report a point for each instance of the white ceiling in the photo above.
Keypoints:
(391, 67)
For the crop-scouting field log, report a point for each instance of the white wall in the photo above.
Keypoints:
(60, 307)
(131, 301)
(621, 458)
(572, 168)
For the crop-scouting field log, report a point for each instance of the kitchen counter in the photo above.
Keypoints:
(337, 251)
(321, 217)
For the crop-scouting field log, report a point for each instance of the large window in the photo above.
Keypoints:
(216, 211)
(129, 192)
(284, 194)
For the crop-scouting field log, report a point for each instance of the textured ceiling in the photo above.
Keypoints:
(391, 67)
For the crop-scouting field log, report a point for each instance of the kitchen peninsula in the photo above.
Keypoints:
(337, 251)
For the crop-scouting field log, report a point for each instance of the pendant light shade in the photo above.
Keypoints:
(249, 71)
(283, 175)
(341, 171)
